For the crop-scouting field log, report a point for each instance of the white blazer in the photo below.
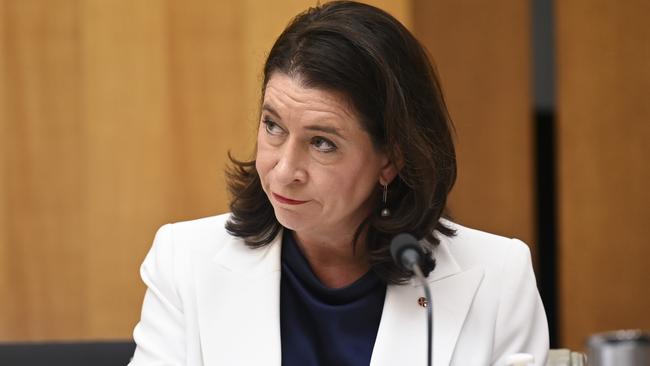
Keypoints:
(211, 300)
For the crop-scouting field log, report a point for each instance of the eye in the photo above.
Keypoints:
(271, 127)
(323, 145)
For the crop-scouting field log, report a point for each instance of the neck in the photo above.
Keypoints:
(334, 261)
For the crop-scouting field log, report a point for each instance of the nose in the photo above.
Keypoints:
(290, 167)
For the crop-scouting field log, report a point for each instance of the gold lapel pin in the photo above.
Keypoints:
(423, 302)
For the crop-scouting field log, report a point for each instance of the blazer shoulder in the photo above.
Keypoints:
(202, 236)
(202, 226)
(471, 247)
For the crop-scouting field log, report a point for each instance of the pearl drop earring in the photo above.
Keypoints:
(385, 212)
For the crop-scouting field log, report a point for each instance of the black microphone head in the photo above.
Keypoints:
(400, 243)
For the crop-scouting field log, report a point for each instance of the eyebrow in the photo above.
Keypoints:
(270, 109)
(327, 129)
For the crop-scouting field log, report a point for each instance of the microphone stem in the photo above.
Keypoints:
(429, 307)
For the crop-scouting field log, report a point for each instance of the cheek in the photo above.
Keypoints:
(360, 183)
(347, 186)
(261, 164)
(264, 160)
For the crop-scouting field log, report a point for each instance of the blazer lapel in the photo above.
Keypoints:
(401, 338)
(239, 320)
(243, 311)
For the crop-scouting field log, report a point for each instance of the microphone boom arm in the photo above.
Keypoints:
(408, 254)
(429, 306)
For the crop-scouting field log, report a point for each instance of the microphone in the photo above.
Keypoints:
(406, 251)
(409, 255)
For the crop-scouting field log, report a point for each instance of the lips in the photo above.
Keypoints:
(286, 200)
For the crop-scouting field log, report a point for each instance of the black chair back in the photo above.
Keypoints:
(66, 353)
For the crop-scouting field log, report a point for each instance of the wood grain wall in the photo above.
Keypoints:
(115, 118)
(603, 66)
(105, 140)
(482, 51)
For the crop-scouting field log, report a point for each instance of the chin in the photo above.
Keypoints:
(291, 220)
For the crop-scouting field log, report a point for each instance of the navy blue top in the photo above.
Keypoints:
(321, 325)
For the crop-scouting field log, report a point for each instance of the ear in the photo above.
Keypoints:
(388, 172)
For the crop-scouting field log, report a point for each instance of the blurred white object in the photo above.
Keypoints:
(520, 359)
(565, 357)
(619, 348)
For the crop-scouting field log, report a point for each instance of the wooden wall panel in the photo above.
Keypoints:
(5, 280)
(482, 52)
(115, 118)
(130, 151)
(603, 58)
(42, 156)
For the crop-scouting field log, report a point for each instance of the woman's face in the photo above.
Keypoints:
(317, 165)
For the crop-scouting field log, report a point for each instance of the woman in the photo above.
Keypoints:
(354, 146)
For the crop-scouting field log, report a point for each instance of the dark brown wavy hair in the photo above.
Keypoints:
(368, 56)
